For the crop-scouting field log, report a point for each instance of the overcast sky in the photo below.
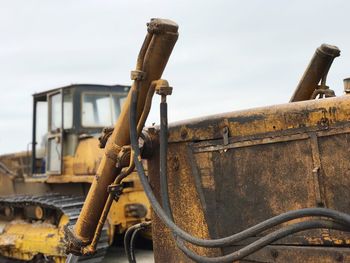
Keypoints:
(230, 54)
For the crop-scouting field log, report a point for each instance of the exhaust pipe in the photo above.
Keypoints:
(315, 72)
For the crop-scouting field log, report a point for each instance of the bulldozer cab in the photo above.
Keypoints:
(64, 116)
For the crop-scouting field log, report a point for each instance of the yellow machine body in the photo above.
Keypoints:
(212, 180)
(223, 173)
(273, 160)
(24, 240)
(27, 234)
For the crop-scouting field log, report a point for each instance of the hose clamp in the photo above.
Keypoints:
(116, 190)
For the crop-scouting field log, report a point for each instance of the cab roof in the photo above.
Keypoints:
(41, 96)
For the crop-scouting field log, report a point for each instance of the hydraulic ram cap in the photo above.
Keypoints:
(328, 50)
(159, 26)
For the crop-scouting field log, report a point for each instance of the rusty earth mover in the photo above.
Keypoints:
(262, 185)
(42, 190)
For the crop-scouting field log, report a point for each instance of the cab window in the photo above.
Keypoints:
(101, 109)
(56, 113)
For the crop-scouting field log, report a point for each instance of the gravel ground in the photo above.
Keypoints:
(117, 255)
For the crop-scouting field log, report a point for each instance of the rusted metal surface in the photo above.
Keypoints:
(186, 208)
(282, 254)
(13, 167)
(245, 125)
(269, 160)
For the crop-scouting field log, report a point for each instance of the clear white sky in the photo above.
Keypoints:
(230, 54)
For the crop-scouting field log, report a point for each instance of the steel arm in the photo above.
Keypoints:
(155, 52)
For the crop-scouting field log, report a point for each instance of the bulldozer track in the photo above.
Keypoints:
(59, 205)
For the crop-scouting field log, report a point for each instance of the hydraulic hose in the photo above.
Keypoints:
(244, 251)
(163, 152)
(128, 234)
(226, 241)
(132, 243)
(262, 242)
(131, 233)
(129, 240)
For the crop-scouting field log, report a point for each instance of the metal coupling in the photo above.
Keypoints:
(162, 88)
(137, 75)
(106, 133)
(116, 190)
(323, 91)
(123, 158)
(74, 245)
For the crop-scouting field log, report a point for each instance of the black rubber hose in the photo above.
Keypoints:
(262, 242)
(128, 234)
(163, 152)
(129, 240)
(226, 241)
(132, 243)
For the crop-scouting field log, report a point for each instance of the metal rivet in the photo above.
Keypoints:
(183, 134)
(274, 253)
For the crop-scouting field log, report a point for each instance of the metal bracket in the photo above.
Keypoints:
(113, 151)
(225, 131)
(116, 190)
(317, 176)
(123, 158)
(323, 91)
(106, 133)
(137, 75)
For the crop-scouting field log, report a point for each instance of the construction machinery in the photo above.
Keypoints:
(43, 189)
(267, 184)
(262, 185)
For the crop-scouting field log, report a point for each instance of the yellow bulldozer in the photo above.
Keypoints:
(262, 185)
(43, 189)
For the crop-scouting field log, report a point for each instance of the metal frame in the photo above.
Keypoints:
(77, 90)
(52, 135)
